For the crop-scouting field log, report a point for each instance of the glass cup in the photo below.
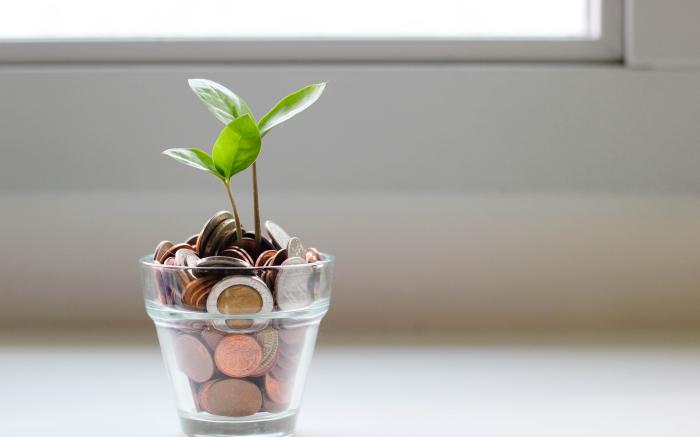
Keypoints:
(237, 341)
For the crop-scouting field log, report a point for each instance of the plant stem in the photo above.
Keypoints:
(239, 232)
(256, 207)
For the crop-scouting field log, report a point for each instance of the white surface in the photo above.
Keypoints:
(502, 388)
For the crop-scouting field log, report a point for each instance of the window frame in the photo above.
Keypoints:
(608, 47)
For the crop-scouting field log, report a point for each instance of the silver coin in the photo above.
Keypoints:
(208, 228)
(249, 281)
(294, 284)
(279, 236)
(219, 237)
(186, 258)
(222, 261)
(295, 249)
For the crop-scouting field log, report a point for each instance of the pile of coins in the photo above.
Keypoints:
(237, 366)
(240, 374)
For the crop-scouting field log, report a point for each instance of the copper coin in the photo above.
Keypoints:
(200, 299)
(263, 257)
(237, 252)
(231, 397)
(208, 228)
(212, 337)
(183, 279)
(247, 244)
(238, 355)
(265, 243)
(193, 358)
(312, 255)
(272, 407)
(192, 241)
(195, 288)
(161, 248)
(203, 395)
(174, 248)
(278, 391)
(270, 344)
(279, 258)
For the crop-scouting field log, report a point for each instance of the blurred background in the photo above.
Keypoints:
(510, 188)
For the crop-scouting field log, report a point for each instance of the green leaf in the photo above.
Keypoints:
(221, 101)
(194, 158)
(290, 106)
(237, 147)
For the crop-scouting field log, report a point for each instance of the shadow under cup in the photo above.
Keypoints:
(236, 359)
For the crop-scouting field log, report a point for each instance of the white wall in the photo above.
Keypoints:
(506, 196)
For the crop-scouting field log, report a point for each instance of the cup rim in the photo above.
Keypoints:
(147, 261)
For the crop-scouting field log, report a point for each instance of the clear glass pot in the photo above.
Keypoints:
(237, 341)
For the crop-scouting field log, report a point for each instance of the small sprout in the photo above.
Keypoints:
(239, 143)
(235, 150)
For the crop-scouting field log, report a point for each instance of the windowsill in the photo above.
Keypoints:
(637, 385)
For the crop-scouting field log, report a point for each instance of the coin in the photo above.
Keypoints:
(161, 248)
(195, 288)
(240, 295)
(295, 248)
(192, 241)
(237, 252)
(264, 256)
(186, 258)
(280, 237)
(220, 237)
(208, 228)
(203, 395)
(277, 390)
(238, 355)
(174, 248)
(294, 284)
(312, 255)
(218, 264)
(247, 244)
(221, 261)
(272, 407)
(193, 358)
(282, 373)
(269, 341)
(265, 243)
(211, 337)
(231, 397)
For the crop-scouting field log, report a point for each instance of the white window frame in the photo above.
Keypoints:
(608, 47)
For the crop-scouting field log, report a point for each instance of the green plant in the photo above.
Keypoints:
(240, 141)
(236, 148)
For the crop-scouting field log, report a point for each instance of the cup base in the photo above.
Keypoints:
(273, 425)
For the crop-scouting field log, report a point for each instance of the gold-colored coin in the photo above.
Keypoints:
(239, 299)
